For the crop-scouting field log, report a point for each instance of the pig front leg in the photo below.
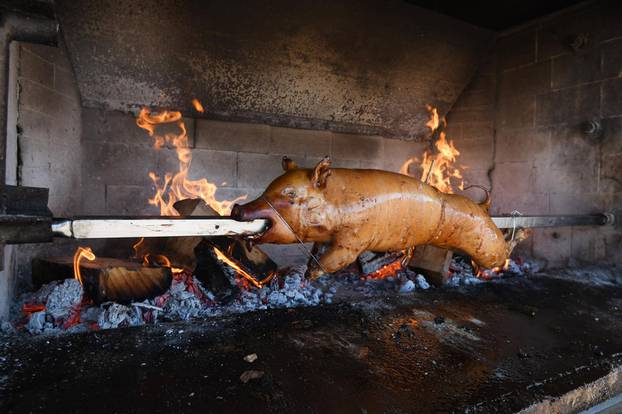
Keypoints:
(335, 257)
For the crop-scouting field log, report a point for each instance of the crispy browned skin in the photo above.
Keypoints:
(358, 210)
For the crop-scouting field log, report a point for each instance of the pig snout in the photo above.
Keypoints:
(251, 211)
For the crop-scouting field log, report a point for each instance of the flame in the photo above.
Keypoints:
(225, 259)
(495, 271)
(174, 187)
(438, 169)
(81, 252)
(385, 271)
(197, 105)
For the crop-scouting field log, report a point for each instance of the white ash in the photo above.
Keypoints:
(64, 299)
(114, 315)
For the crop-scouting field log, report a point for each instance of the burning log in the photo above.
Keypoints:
(106, 279)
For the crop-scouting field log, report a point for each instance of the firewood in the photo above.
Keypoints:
(433, 262)
(106, 279)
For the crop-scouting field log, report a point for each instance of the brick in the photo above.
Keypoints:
(356, 147)
(529, 80)
(612, 58)
(568, 105)
(469, 115)
(43, 127)
(574, 69)
(37, 176)
(475, 99)
(33, 68)
(611, 174)
(524, 144)
(94, 196)
(612, 97)
(128, 200)
(573, 203)
(518, 112)
(217, 166)
(553, 245)
(258, 170)
(231, 194)
(232, 136)
(396, 152)
(475, 177)
(118, 163)
(289, 141)
(516, 49)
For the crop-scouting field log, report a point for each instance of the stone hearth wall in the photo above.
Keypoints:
(541, 163)
(241, 158)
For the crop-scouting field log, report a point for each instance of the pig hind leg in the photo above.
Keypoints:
(335, 258)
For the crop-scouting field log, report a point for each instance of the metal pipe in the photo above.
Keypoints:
(508, 222)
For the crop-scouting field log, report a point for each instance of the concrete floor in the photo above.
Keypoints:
(498, 347)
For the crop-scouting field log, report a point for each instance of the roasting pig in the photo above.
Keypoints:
(354, 210)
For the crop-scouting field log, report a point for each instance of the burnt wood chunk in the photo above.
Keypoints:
(433, 262)
(106, 279)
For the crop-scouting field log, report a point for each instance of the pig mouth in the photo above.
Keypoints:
(239, 213)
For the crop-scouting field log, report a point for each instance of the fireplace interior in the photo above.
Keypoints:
(149, 264)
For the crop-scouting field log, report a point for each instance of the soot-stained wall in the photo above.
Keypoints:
(354, 66)
(526, 108)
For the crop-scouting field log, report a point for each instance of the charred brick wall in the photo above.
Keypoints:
(550, 77)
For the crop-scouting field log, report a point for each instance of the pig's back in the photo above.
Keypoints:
(389, 210)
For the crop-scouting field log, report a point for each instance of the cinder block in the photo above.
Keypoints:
(573, 203)
(94, 196)
(338, 163)
(518, 112)
(588, 245)
(570, 105)
(127, 200)
(475, 153)
(65, 83)
(118, 163)
(473, 131)
(38, 176)
(232, 136)
(513, 178)
(230, 194)
(289, 141)
(505, 200)
(568, 146)
(120, 127)
(516, 49)
(397, 152)
(530, 80)
(612, 136)
(523, 144)
(612, 97)
(55, 55)
(470, 115)
(612, 58)
(475, 177)
(611, 174)
(217, 166)
(553, 245)
(258, 170)
(36, 69)
(475, 99)
(574, 69)
(356, 147)
(575, 179)
(42, 99)
(556, 35)
(34, 153)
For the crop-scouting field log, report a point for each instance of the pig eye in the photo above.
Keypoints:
(289, 193)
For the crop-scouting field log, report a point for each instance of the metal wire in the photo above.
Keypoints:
(304, 248)
(514, 214)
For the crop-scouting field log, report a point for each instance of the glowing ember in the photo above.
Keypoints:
(385, 271)
(438, 169)
(243, 273)
(175, 187)
(197, 105)
(81, 252)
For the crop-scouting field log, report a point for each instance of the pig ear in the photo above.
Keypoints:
(321, 173)
(288, 164)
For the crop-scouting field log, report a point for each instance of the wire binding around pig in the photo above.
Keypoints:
(354, 210)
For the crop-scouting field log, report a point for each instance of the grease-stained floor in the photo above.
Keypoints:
(496, 347)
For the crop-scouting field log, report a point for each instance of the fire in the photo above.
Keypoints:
(387, 270)
(437, 169)
(495, 271)
(197, 105)
(225, 259)
(174, 187)
(81, 252)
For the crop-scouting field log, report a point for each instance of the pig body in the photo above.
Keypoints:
(355, 210)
